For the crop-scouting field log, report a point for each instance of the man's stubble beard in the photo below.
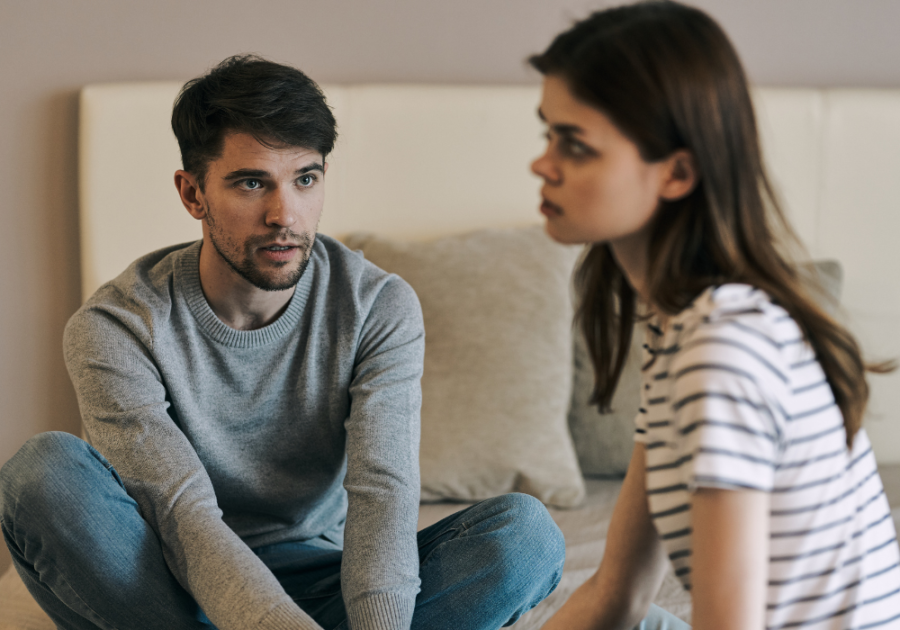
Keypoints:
(247, 268)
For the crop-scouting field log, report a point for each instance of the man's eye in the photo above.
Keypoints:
(251, 184)
(306, 180)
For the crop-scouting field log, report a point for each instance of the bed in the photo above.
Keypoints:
(431, 182)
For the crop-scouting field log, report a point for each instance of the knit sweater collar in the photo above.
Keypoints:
(187, 284)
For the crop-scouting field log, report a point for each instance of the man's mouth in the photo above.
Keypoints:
(280, 253)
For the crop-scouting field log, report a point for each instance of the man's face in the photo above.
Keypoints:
(261, 207)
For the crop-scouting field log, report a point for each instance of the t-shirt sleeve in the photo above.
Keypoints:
(725, 408)
(380, 567)
(125, 411)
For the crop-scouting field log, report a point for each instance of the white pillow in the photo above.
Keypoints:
(498, 361)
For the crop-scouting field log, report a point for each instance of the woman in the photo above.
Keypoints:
(750, 471)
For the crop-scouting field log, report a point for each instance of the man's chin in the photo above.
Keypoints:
(282, 280)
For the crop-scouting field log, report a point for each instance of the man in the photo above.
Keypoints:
(253, 399)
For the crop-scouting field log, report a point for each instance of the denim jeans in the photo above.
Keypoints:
(659, 619)
(91, 561)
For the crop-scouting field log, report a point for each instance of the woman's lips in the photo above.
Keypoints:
(549, 209)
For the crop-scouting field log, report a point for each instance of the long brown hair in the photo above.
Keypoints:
(668, 77)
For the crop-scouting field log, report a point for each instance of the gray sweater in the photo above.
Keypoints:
(230, 440)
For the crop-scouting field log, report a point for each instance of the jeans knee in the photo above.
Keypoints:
(27, 476)
(533, 538)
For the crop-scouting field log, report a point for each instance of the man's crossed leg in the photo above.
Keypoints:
(91, 561)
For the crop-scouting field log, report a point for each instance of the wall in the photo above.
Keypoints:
(50, 48)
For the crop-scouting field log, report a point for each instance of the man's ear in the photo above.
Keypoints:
(190, 193)
(681, 175)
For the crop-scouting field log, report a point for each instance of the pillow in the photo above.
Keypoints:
(498, 362)
(604, 441)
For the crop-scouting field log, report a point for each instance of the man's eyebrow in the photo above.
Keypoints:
(562, 128)
(247, 172)
(242, 173)
(315, 166)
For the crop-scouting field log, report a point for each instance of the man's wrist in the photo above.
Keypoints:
(382, 611)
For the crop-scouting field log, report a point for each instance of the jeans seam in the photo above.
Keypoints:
(86, 605)
(458, 531)
(75, 594)
(465, 528)
(456, 527)
(98, 456)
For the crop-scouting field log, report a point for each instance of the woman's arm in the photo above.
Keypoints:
(634, 563)
(730, 559)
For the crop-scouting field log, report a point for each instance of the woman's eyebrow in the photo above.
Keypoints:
(567, 129)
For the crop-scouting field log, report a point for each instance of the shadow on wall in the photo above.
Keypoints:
(46, 277)
(56, 408)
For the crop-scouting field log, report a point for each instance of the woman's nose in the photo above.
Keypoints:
(544, 168)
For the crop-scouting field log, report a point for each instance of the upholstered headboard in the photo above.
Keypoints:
(427, 160)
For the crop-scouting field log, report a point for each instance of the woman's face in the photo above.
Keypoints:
(596, 185)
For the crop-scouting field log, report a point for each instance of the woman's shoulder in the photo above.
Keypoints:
(741, 324)
(733, 307)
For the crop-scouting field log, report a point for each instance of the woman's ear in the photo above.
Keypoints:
(681, 175)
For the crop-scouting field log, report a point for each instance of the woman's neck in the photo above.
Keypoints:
(630, 253)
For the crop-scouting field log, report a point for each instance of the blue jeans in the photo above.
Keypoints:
(659, 619)
(91, 561)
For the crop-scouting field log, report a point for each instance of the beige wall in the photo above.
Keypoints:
(50, 48)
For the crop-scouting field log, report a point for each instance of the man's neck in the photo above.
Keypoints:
(236, 302)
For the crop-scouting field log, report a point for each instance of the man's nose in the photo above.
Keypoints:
(283, 208)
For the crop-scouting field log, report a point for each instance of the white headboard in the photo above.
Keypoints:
(412, 162)
(421, 161)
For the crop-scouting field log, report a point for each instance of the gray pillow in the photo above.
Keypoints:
(604, 441)
(498, 361)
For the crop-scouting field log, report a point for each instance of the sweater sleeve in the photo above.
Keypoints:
(380, 569)
(126, 414)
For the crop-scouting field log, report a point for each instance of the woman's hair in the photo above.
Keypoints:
(669, 79)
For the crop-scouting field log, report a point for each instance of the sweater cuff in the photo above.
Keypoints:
(287, 616)
(384, 611)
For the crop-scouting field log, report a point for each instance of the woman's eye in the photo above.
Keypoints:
(568, 146)
(574, 148)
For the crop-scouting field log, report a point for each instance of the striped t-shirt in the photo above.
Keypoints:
(733, 397)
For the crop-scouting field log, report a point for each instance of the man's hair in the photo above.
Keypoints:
(276, 104)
